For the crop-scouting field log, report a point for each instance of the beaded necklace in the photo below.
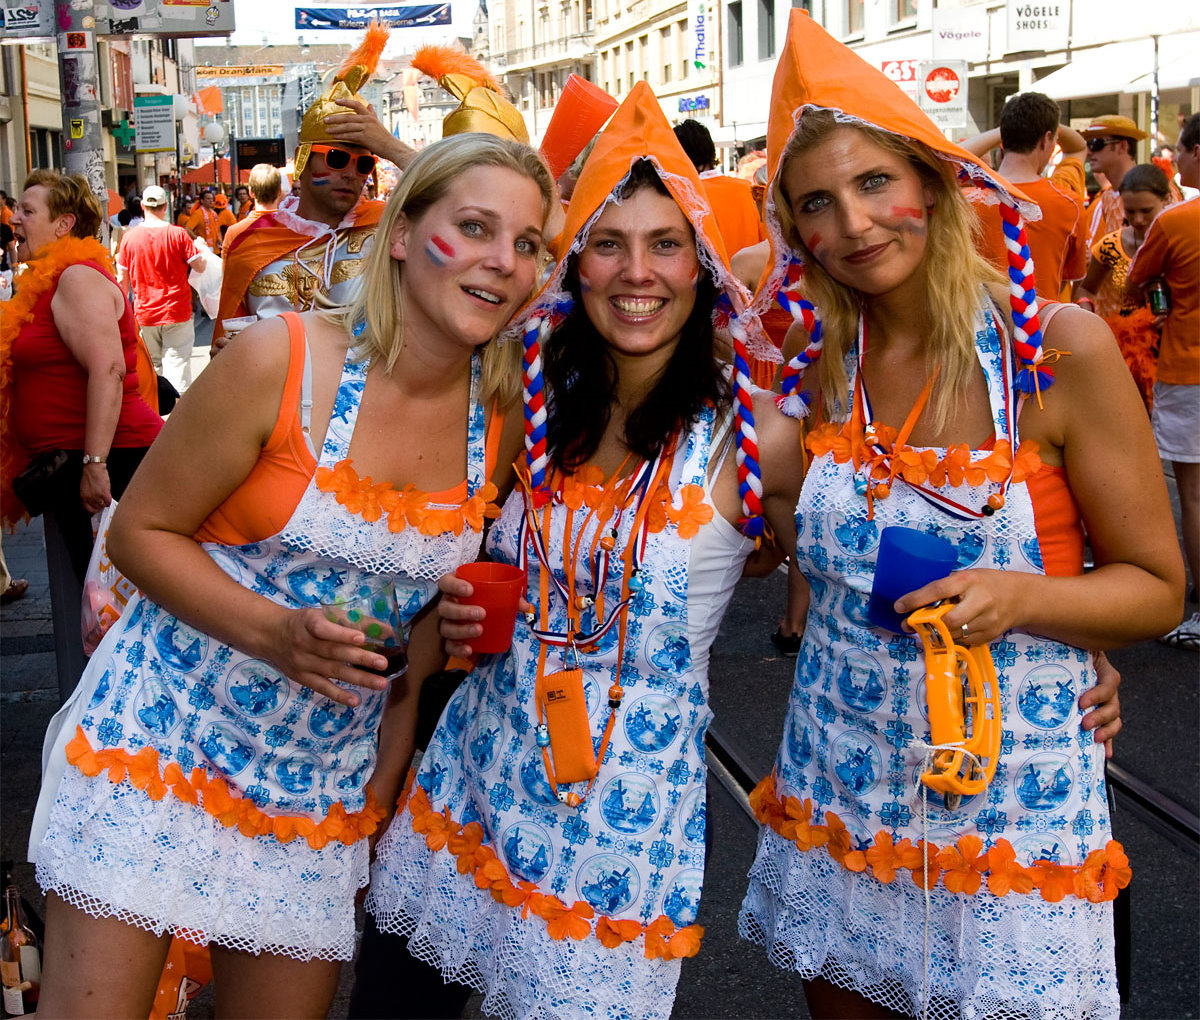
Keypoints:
(643, 492)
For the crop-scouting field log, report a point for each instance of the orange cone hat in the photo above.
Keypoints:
(815, 71)
(639, 130)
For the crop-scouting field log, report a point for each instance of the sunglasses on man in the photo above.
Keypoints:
(1099, 144)
(338, 159)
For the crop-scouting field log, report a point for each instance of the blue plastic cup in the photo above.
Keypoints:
(908, 559)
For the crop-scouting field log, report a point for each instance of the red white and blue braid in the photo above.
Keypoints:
(533, 381)
(749, 473)
(791, 401)
(1033, 375)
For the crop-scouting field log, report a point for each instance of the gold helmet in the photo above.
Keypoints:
(356, 71)
(482, 104)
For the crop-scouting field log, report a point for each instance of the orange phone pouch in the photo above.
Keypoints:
(565, 709)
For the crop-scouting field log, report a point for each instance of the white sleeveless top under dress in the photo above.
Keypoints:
(556, 911)
(189, 786)
(834, 890)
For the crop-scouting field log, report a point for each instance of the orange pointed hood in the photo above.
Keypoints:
(815, 71)
(637, 131)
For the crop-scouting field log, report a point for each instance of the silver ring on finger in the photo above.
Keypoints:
(964, 631)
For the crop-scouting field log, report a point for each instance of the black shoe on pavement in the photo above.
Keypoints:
(788, 644)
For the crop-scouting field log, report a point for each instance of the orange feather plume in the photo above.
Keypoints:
(439, 61)
(368, 52)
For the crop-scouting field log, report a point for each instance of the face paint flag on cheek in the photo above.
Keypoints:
(909, 218)
(439, 251)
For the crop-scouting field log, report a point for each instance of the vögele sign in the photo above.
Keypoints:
(1034, 25)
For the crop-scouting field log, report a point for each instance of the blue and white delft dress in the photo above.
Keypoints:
(108, 848)
(851, 743)
(634, 849)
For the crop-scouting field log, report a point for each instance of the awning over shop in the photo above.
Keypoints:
(1178, 67)
(1099, 72)
(1126, 67)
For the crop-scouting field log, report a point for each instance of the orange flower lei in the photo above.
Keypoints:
(921, 467)
(960, 867)
(479, 861)
(214, 796)
(586, 488)
(39, 278)
(371, 500)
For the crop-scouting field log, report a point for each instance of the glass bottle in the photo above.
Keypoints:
(20, 961)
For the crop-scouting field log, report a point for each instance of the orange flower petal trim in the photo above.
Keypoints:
(960, 868)
(371, 500)
(212, 794)
(922, 467)
(577, 921)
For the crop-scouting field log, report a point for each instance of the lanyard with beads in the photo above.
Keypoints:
(584, 763)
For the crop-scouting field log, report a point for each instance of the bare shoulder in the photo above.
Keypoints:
(747, 264)
(780, 438)
(80, 283)
(258, 355)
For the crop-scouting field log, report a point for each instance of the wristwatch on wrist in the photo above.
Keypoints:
(89, 459)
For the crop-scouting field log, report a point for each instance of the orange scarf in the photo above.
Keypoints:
(40, 278)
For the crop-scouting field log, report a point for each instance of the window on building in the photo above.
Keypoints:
(904, 11)
(854, 17)
(733, 35)
(680, 31)
(766, 29)
(804, 5)
(666, 73)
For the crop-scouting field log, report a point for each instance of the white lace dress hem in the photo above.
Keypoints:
(1016, 957)
(105, 839)
(475, 940)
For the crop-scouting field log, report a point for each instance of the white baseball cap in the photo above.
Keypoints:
(154, 195)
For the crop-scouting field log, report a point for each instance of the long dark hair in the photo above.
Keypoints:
(582, 375)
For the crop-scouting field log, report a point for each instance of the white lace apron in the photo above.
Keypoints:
(633, 850)
(152, 859)
(856, 714)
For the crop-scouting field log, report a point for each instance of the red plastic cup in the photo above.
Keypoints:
(498, 588)
(580, 112)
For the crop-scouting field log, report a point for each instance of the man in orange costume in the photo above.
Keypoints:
(204, 221)
(1171, 254)
(1112, 153)
(731, 198)
(318, 242)
(1029, 129)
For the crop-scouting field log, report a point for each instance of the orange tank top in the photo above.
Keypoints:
(266, 500)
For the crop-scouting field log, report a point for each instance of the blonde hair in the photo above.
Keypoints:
(954, 272)
(378, 309)
(69, 195)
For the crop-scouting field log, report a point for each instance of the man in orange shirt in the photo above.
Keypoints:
(203, 221)
(1170, 256)
(1029, 130)
(1112, 153)
(5, 211)
(225, 217)
(731, 198)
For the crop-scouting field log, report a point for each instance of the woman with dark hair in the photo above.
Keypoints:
(551, 851)
(935, 403)
(1144, 194)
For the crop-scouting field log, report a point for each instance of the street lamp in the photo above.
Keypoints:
(214, 134)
